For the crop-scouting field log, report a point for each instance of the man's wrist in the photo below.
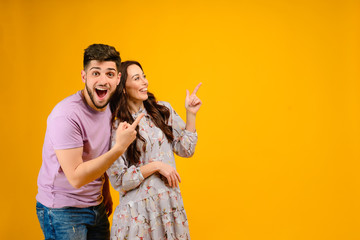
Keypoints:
(118, 149)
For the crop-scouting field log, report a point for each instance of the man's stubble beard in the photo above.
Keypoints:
(92, 98)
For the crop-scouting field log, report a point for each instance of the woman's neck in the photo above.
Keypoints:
(134, 107)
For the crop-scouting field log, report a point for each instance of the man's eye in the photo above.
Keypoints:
(95, 74)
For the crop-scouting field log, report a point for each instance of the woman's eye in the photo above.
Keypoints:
(111, 74)
(137, 78)
(144, 76)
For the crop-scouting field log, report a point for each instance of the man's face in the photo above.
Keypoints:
(101, 79)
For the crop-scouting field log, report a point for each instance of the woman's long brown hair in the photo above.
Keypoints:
(119, 106)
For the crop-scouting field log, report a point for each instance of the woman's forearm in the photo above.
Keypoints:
(149, 169)
(164, 169)
(190, 122)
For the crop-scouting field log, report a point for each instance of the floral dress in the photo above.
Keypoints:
(149, 208)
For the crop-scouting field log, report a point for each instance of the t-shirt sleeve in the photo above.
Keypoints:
(65, 132)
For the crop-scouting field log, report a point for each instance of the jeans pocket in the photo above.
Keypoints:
(40, 212)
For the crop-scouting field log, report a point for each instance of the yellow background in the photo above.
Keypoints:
(279, 130)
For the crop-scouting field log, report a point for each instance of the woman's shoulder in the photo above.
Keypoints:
(166, 104)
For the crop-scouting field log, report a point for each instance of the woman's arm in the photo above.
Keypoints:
(192, 105)
(185, 136)
(124, 178)
(164, 169)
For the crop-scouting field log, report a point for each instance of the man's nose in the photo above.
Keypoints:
(102, 79)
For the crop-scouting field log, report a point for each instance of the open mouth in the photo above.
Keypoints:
(101, 93)
(143, 90)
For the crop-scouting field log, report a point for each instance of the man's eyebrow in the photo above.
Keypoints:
(98, 68)
(95, 68)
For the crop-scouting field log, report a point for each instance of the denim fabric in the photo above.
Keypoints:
(73, 223)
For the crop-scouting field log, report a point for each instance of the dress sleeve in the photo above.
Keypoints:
(184, 141)
(122, 177)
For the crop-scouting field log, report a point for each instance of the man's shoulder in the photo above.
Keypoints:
(69, 106)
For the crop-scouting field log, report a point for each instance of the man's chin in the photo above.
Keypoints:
(102, 106)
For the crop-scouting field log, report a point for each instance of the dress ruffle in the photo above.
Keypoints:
(161, 216)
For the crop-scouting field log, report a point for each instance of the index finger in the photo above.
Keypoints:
(196, 88)
(137, 120)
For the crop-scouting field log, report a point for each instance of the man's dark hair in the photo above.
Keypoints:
(101, 52)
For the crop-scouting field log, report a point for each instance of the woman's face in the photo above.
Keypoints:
(136, 84)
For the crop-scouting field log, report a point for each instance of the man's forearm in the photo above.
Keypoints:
(93, 169)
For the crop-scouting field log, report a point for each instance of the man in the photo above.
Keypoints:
(73, 200)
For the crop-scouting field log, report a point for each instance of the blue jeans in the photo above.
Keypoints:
(74, 223)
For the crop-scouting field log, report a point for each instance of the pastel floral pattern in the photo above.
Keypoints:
(149, 208)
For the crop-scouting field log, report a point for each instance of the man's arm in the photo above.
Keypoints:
(80, 173)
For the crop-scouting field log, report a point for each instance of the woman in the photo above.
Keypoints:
(150, 206)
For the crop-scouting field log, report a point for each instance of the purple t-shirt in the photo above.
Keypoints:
(72, 124)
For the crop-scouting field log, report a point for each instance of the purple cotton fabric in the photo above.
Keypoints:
(72, 124)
